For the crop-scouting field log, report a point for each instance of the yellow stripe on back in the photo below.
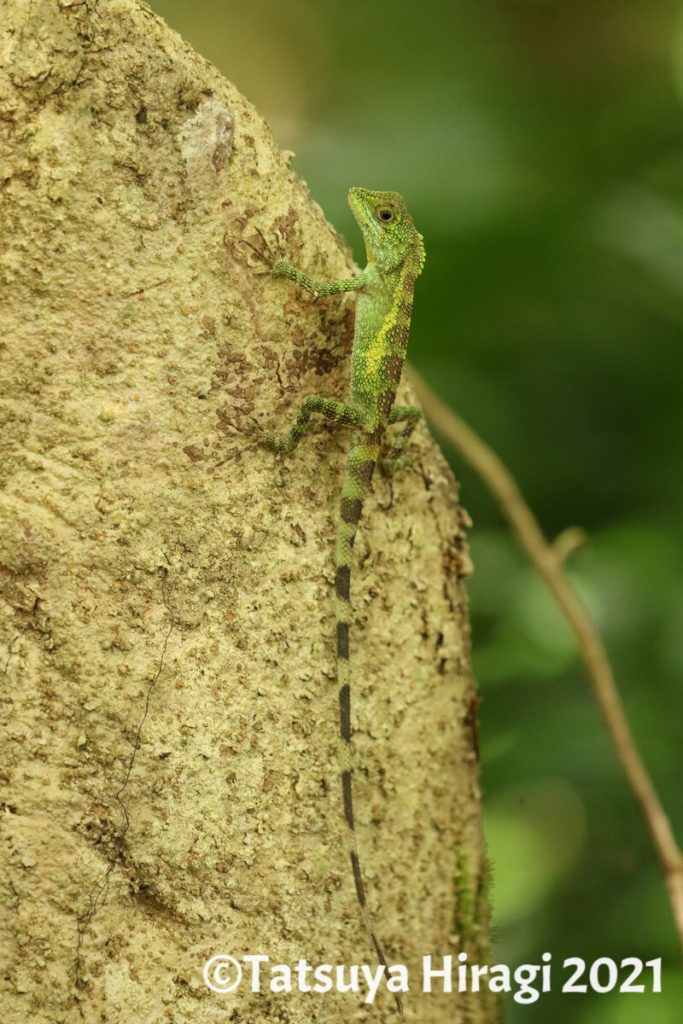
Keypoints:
(377, 350)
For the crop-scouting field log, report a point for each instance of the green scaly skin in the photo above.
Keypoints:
(395, 253)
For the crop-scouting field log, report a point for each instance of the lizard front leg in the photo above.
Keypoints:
(282, 268)
(337, 412)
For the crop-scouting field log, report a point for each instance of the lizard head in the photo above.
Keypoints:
(388, 229)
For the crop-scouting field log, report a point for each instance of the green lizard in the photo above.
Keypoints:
(395, 254)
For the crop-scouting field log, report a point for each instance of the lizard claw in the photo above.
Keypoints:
(264, 251)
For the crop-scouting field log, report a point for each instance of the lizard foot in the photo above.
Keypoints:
(265, 252)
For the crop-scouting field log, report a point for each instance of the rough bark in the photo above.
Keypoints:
(170, 775)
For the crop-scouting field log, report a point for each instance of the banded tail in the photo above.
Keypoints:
(356, 484)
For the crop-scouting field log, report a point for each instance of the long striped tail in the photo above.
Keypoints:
(356, 484)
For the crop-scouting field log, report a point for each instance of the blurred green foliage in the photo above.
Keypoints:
(539, 145)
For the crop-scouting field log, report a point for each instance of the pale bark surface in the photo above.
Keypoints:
(163, 580)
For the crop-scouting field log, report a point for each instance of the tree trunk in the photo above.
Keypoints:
(170, 767)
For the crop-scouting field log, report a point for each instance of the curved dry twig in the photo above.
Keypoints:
(548, 562)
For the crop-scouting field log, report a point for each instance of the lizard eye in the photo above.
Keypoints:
(385, 214)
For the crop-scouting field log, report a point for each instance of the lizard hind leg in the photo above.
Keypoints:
(336, 412)
(395, 460)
